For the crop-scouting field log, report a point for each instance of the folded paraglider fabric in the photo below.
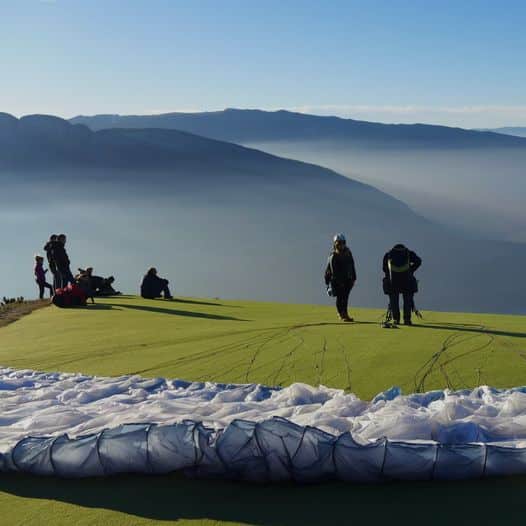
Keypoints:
(255, 433)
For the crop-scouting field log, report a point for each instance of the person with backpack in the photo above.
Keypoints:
(153, 286)
(399, 266)
(61, 259)
(40, 278)
(340, 275)
(48, 248)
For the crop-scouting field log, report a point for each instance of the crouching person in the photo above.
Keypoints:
(399, 266)
(153, 286)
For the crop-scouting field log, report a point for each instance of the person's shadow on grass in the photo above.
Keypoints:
(173, 312)
(478, 329)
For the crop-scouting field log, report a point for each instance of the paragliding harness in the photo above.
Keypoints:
(388, 322)
(70, 296)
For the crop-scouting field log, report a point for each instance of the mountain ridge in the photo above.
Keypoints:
(516, 131)
(239, 125)
(162, 147)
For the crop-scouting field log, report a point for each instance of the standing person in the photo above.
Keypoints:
(40, 277)
(61, 259)
(153, 286)
(399, 266)
(49, 247)
(340, 275)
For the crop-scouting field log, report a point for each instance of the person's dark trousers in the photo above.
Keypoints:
(42, 286)
(56, 280)
(342, 301)
(66, 277)
(161, 288)
(395, 305)
(166, 291)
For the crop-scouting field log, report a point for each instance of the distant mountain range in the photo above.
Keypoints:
(239, 222)
(469, 180)
(244, 126)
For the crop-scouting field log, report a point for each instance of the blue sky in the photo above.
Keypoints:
(457, 63)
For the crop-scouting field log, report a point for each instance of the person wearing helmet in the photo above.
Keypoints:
(340, 275)
(399, 266)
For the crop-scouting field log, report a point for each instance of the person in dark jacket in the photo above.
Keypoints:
(153, 286)
(399, 266)
(40, 277)
(48, 248)
(61, 259)
(340, 275)
(95, 285)
(106, 287)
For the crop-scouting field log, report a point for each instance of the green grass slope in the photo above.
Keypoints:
(234, 341)
(275, 344)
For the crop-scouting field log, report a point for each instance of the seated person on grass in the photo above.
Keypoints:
(153, 286)
(105, 286)
(95, 285)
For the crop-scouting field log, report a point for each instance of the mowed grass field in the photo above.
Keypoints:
(276, 344)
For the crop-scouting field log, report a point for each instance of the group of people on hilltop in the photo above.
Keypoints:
(152, 286)
(60, 267)
(399, 265)
(58, 263)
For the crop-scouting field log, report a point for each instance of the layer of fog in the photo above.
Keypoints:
(207, 245)
(260, 240)
(479, 191)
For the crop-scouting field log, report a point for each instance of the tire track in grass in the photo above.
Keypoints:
(204, 357)
(448, 344)
(241, 377)
(258, 350)
(346, 361)
(129, 349)
(480, 348)
(429, 366)
(320, 369)
(288, 358)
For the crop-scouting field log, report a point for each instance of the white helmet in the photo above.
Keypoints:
(339, 237)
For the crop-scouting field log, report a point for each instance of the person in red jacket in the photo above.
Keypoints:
(40, 277)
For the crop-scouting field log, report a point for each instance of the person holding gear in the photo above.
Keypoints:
(399, 266)
(340, 275)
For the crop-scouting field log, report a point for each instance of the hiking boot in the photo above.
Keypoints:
(408, 322)
(348, 319)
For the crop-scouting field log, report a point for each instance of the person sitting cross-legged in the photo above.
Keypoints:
(153, 286)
